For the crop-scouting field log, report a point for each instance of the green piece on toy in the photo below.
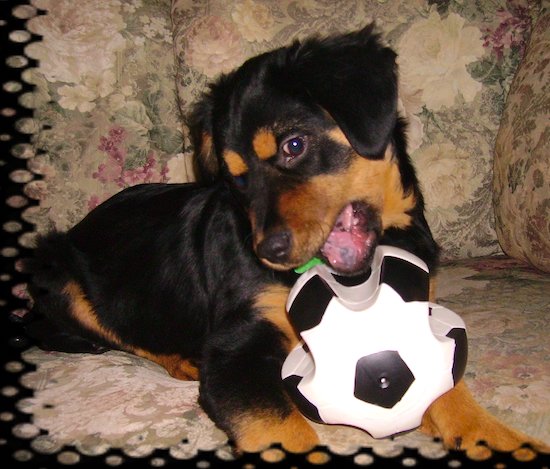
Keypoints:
(308, 265)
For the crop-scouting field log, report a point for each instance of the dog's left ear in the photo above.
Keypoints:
(354, 78)
(205, 163)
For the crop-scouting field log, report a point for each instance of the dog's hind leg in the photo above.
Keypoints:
(176, 366)
(50, 336)
(50, 322)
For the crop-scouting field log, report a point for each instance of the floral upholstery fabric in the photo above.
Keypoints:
(110, 92)
(105, 89)
(522, 156)
(456, 59)
(119, 400)
(107, 82)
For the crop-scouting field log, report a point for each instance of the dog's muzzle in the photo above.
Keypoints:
(347, 249)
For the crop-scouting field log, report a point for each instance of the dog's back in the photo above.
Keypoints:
(157, 255)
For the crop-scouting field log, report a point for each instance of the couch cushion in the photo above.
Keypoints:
(456, 62)
(522, 156)
(119, 400)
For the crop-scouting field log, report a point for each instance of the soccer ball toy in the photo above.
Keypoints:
(376, 354)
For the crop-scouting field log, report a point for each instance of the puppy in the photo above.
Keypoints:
(300, 153)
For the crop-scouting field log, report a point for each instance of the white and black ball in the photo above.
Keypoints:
(374, 354)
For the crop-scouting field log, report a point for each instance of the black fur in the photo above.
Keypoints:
(174, 269)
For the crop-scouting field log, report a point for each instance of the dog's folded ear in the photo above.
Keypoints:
(354, 78)
(205, 162)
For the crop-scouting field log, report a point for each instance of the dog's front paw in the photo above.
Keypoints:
(256, 432)
(462, 424)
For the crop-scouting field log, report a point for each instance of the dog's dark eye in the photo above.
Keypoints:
(240, 181)
(294, 147)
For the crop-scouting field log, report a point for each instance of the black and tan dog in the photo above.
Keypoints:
(301, 153)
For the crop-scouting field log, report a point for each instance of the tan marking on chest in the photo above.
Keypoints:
(271, 302)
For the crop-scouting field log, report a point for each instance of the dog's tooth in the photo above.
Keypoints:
(347, 216)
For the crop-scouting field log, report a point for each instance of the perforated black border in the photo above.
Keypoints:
(14, 342)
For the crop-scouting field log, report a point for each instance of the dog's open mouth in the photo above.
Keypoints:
(351, 242)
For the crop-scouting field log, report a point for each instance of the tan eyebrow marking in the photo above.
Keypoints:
(264, 144)
(235, 163)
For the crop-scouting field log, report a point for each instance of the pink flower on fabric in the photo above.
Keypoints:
(114, 170)
(511, 31)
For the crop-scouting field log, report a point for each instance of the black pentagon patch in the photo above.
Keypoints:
(307, 408)
(310, 304)
(461, 352)
(382, 378)
(410, 281)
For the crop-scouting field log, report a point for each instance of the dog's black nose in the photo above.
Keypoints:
(275, 248)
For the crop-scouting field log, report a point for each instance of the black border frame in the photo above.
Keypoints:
(13, 340)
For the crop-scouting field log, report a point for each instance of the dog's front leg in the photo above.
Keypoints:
(242, 391)
(462, 424)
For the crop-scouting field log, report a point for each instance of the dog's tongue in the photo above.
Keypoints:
(349, 242)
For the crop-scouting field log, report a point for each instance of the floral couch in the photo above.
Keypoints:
(114, 82)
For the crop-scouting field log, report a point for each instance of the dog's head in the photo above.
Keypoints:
(309, 139)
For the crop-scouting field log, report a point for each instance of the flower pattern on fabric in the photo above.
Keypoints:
(111, 92)
(104, 67)
(522, 166)
(433, 55)
(448, 180)
(113, 65)
(254, 19)
(213, 46)
(80, 39)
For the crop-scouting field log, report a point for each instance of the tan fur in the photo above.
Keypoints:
(176, 366)
(461, 423)
(206, 154)
(235, 163)
(338, 136)
(271, 302)
(431, 294)
(264, 144)
(83, 312)
(257, 431)
(376, 182)
(395, 202)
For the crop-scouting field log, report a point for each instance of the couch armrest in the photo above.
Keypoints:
(522, 163)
